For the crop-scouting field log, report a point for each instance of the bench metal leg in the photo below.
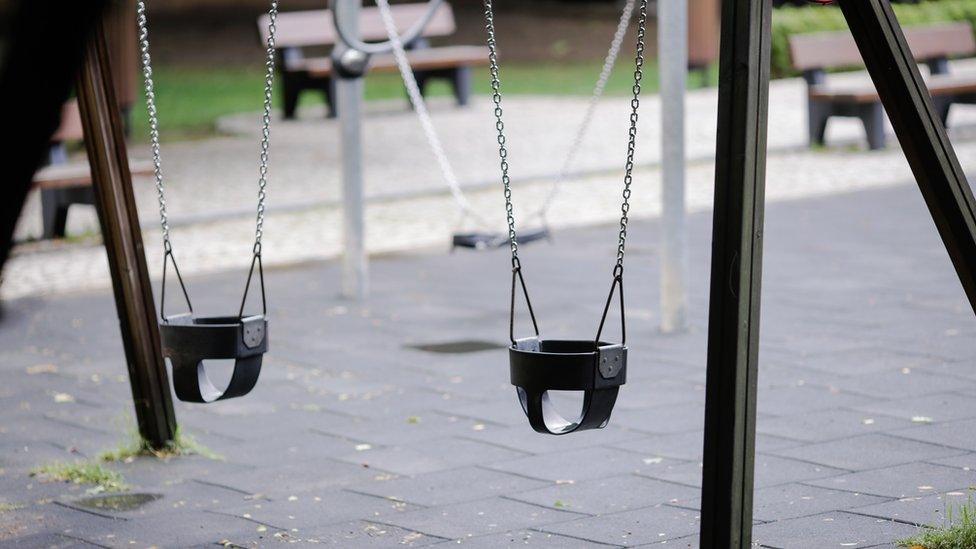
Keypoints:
(54, 214)
(291, 89)
(872, 116)
(461, 82)
(818, 113)
(330, 98)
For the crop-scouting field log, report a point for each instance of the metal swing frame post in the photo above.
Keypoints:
(349, 104)
(119, 220)
(730, 407)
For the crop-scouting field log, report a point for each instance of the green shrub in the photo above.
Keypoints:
(790, 20)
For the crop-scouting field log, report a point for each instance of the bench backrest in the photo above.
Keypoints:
(822, 50)
(297, 29)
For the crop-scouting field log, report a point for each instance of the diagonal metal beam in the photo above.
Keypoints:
(920, 131)
(733, 324)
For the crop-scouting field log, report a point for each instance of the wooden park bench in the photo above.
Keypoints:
(62, 182)
(815, 53)
(298, 30)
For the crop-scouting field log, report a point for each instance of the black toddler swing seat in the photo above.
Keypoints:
(595, 367)
(188, 341)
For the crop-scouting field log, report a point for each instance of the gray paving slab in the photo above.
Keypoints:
(788, 501)
(826, 425)
(955, 434)
(933, 407)
(365, 534)
(905, 383)
(306, 513)
(933, 510)
(964, 461)
(417, 458)
(608, 495)
(909, 480)
(525, 538)
(869, 451)
(488, 516)
(803, 399)
(830, 530)
(638, 527)
(448, 487)
(584, 464)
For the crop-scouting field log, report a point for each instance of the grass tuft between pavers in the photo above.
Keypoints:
(100, 477)
(958, 530)
(135, 446)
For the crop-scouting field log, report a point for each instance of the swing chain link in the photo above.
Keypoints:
(266, 125)
(152, 112)
(496, 98)
(632, 138)
(147, 74)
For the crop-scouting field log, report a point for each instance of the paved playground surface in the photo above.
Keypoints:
(357, 437)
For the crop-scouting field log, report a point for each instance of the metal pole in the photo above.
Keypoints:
(119, 219)
(349, 102)
(672, 37)
(733, 324)
(920, 131)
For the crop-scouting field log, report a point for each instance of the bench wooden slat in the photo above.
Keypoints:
(78, 174)
(821, 50)
(939, 84)
(314, 27)
(446, 57)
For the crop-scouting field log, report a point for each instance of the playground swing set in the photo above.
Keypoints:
(539, 365)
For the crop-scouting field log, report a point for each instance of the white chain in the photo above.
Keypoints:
(420, 106)
(608, 63)
(152, 112)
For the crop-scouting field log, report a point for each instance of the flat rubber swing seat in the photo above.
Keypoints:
(539, 365)
(188, 341)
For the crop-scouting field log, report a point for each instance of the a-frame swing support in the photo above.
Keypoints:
(119, 220)
(733, 336)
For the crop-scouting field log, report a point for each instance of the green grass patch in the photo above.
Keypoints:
(134, 446)
(190, 100)
(958, 530)
(8, 507)
(100, 477)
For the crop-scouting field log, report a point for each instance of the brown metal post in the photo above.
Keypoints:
(105, 143)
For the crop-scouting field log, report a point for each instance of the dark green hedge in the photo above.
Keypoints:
(790, 20)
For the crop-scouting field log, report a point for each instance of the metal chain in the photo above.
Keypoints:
(152, 112)
(632, 136)
(269, 64)
(147, 74)
(496, 98)
(500, 127)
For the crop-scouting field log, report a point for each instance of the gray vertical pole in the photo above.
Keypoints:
(736, 276)
(349, 102)
(672, 39)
